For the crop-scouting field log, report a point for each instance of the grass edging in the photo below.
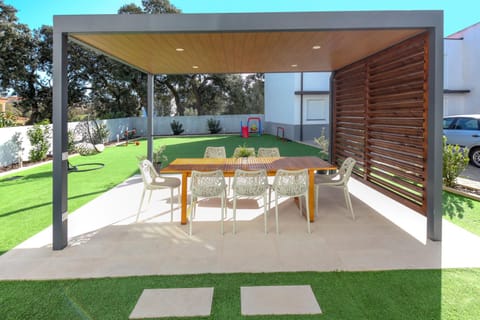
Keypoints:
(461, 193)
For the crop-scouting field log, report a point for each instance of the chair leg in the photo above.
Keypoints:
(150, 196)
(223, 215)
(234, 212)
(300, 205)
(265, 212)
(141, 203)
(348, 201)
(193, 204)
(276, 212)
(316, 200)
(308, 214)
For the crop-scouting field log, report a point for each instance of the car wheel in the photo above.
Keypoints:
(475, 157)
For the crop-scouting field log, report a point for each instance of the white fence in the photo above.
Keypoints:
(10, 151)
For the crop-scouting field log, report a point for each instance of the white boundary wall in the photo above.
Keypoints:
(161, 127)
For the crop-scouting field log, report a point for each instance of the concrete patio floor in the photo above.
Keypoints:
(104, 240)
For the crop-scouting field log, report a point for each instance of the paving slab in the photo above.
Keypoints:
(175, 302)
(278, 300)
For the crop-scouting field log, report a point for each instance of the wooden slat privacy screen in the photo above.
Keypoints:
(380, 119)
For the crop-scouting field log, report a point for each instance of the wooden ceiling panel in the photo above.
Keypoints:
(242, 52)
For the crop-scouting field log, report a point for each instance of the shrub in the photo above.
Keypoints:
(322, 143)
(70, 142)
(177, 127)
(455, 160)
(39, 136)
(7, 119)
(214, 126)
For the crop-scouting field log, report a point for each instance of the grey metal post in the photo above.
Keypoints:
(435, 120)
(150, 95)
(60, 154)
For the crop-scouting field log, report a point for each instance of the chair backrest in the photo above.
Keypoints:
(215, 152)
(291, 182)
(250, 183)
(148, 172)
(268, 152)
(207, 183)
(238, 150)
(346, 169)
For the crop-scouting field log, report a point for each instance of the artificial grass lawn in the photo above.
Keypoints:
(26, 205)
(405, 294)
(462, 211)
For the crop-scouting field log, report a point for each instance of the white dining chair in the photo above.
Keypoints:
(268, 152)
(207, 184)
(154, 181)
(250, 184)
(215, 152)
(291, 183)
(337, 180)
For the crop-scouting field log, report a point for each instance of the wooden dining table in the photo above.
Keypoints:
(184, 166)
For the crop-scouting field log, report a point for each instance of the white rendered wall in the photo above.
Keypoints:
(471, 65)
(280, 98)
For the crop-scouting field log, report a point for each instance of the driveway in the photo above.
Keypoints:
(472, 173)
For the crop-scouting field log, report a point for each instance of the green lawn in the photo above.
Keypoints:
(26, 206)
(462, 211)
(406, 294)
(25, 209)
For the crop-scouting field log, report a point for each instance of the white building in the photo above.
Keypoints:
(299, 102)
(461, 72)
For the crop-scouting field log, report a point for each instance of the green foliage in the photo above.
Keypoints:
(448, 294)
(70, 142)
(7, 119)
(214, 126)
(39, 137)
(177, 127)
(322, 143)
(244, 151)
(455, 160)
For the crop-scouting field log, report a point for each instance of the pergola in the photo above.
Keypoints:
(387, 83)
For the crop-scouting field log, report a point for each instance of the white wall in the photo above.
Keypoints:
(280, 98)
(191, 124)
(282, 105)
(461, 72)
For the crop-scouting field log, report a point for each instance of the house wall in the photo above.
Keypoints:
(283, 107)
(461, 70)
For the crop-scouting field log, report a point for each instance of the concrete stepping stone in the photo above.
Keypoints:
(176, 302)
(277, 300)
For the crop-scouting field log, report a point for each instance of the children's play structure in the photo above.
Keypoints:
(254, 125)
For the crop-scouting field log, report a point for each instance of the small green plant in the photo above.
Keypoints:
(71, 141)
(7, 119)
(322, 143)
(158, 157)
(177, 127)
(39, 136)
(455, 160)
(243, 151)
(214, 126)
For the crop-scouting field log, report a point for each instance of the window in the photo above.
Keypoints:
(317, 109)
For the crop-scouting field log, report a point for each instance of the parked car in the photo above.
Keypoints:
(464, 130)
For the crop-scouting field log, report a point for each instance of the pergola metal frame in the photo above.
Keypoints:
(65, 26)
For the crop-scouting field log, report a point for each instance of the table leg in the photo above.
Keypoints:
(184, 198)
(311, 194)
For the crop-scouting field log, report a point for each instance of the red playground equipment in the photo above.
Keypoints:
(255, 127)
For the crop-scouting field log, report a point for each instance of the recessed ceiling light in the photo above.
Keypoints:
(316, 47)
(294, 65)
(195, 67)
(179, 49)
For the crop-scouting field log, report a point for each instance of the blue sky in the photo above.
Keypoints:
(457, 14)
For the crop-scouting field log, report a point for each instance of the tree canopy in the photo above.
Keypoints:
(100, 85)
